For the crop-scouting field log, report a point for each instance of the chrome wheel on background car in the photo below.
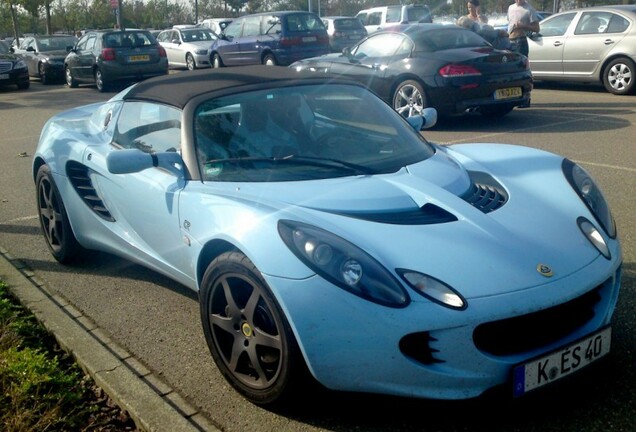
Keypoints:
(99, 81)
(216, 61)
(409, 98)
(248, 335)
(70, 81)
(190, 63)
(43, 77)
(619, 75)
(54, 219)
(269, 60)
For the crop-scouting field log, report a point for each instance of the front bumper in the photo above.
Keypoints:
(426, 350)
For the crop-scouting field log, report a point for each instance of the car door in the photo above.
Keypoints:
(27, 51)
(546, 48)
(84, 60)
(228, 47)
(252, 41)
(596, 33)
(145, 204)
(370, 61)
(169, 40)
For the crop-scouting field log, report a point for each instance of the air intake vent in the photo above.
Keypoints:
(417, 346)
(78, 175)
(425, 215)
(485, 193)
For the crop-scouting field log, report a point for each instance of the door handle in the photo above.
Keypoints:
(608, 42)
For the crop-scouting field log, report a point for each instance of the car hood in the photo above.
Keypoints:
(324, 61)
(199, 44)
(494, 252)
(10, 57)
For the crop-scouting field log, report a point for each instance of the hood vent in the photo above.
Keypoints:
(426, 215)
(485, 193)
(81, 181)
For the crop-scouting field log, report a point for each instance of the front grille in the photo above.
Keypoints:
(5, 66)
(417, 346)
(535, 330)
(79, 178)
(485, 193)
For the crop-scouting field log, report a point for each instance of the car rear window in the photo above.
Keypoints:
(124, 39)
(303, 22)
(347, 24)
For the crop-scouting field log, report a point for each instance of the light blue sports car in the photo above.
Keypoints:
(330, 243)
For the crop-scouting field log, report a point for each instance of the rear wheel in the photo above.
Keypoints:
(99, 81)
(247, 332)
(190, 63)
(619, 75)
(409, 98)
(53, 218)
(43, 76)
(70, 81)
(217, 62)
(269, 60)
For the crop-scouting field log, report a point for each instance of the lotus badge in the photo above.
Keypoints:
(545, 270)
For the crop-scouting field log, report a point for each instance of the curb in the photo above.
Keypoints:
(152, 404)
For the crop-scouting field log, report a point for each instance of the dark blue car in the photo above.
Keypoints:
(272, 38)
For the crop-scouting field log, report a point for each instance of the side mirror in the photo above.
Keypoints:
(30, 49)
(134, 160)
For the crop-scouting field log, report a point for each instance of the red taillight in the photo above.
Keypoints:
(290, 41)
(458, 70)
(162, 51)
(108, 54)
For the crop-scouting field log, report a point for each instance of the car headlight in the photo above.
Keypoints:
(590, 194)
(433, 289)
(201, 51)
(595, 237)
(343, 264)
(20, 64)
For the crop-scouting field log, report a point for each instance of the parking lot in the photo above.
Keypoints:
(157, 321)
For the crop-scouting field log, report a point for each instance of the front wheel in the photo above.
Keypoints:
(190, 63)
(618, 76)
(54, 221)
(217, 62)
(43, 76)
(70, 81)
(247, 332)
(409, 98)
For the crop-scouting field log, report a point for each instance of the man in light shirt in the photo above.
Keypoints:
(522, 19)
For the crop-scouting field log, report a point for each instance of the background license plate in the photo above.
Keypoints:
(309, 39)
(507, 93)
(561, 363)
(139, 58)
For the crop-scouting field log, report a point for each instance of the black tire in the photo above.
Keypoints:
(247, 333)
(190, 63)
(70, 81)
(24, 85)
(101, 85)
(496, 111)
(217, 62)
(409, 98)
(54, 221)
(269, 60)
(43, 76)
(619, 76)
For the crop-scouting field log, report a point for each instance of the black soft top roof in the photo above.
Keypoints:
(178, 89)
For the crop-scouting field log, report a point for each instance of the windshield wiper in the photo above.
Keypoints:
(302, 160)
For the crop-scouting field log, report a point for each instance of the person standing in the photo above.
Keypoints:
(473, 10)
(522, 19)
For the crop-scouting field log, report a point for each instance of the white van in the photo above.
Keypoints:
(380, 17)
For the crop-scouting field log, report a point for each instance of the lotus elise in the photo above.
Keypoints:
(330, 242)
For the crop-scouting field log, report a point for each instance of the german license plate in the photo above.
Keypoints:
(309, 39)
(4, 76)
(558, 364)
(507, 93)
(137, 58)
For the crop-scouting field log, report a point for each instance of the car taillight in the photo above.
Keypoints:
(458, 70)
(290, 41)
(108, 54)
(162, 51)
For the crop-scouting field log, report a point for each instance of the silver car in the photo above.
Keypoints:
(595, 45)
(187, 47)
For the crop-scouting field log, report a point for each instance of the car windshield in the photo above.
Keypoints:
(347, 24)
(4, 49)
(55, 43)
(197, 35)
(303, 132)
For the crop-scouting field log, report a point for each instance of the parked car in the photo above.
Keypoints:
(343, 238)
(434, 65)
(106, 57)
(272, 38)
(343, 31)
(595, 45)
(44, 55)
(188, 47)
(217, 25)
(381, 17)
(13, 70)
